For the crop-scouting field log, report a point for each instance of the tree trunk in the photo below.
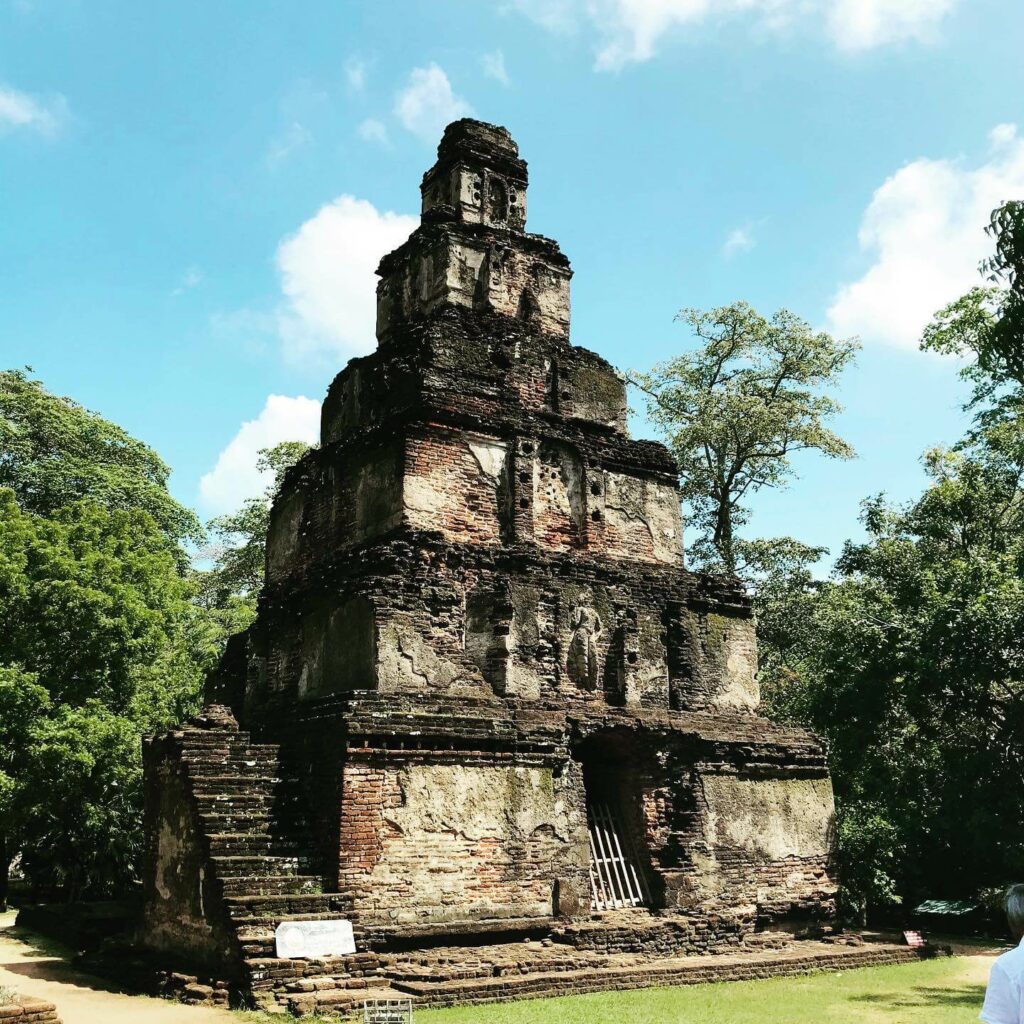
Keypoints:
(5, 871)
(723, 536)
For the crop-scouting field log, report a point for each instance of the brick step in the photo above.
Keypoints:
(249, 844)
(266, 885)
(238, 769)
(694, 971)
(278, 907)
(209, 737)
(233, 786)
(244, 866)
(331, 983)
(208, 799)
(215, 779)
(338, 1001)
(282, 971)
(238, 821)
(239, 753)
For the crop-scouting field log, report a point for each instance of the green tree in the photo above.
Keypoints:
(23, 703)
(54, 452)
(104, 640)
(734, 411)
(909, 662)
(986, 325)
(103, 637)
(233, 584)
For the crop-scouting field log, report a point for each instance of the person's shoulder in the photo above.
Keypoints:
(1011, 963)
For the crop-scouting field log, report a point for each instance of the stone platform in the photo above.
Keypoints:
(460, 975)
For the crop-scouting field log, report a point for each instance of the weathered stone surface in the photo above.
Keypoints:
(477, 636)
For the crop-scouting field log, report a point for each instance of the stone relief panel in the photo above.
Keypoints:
(502, 637)
(730, 652)
(641, 519)
(486, 841)
(583, 660)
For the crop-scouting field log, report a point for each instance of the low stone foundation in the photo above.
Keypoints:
(691, 971)
(655, 935)
(450, 976)
(26, 1010)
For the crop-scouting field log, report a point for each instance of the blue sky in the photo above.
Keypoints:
(194, 194)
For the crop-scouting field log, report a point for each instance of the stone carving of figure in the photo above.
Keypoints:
(583, 656)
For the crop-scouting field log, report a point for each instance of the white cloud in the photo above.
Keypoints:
(428, 103)
(294, 137)
(327, 271)
(493, 65)
(373, 130)
(863, 24)
(924, 228)
(554, 15)
(192, 278)
(355, 73)
(630, 31)
(1002, 134)
(234, 477)
(738, 240)
(32, 113)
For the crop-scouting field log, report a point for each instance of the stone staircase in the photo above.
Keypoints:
(255, 838)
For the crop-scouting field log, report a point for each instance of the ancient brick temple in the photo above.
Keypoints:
(490, 702)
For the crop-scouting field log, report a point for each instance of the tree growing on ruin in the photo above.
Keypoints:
(753, 393)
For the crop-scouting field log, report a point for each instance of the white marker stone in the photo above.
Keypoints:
(298, 939)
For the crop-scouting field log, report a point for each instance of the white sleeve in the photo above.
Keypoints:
(1002, 998)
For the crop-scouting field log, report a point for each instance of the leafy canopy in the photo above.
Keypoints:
(231, 587)
(909, 660)
(54, 452)
(103, 639)
(737, 408)
(103, 642)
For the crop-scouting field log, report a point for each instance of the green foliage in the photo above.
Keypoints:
(232, 586)
(95, 599)
(103, 638)
(53, 453)
(909, 662)
(80, 805)
(736, 409)
(103, 642)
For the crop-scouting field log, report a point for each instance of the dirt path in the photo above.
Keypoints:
(82, 998)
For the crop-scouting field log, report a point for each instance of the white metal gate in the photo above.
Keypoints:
(615, 877)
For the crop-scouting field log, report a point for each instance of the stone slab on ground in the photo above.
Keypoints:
(28, 1010)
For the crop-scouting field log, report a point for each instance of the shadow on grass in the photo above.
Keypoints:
(926, 995)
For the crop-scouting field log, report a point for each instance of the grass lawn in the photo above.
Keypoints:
(947, 991)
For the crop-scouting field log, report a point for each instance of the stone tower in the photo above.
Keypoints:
(490, 699)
